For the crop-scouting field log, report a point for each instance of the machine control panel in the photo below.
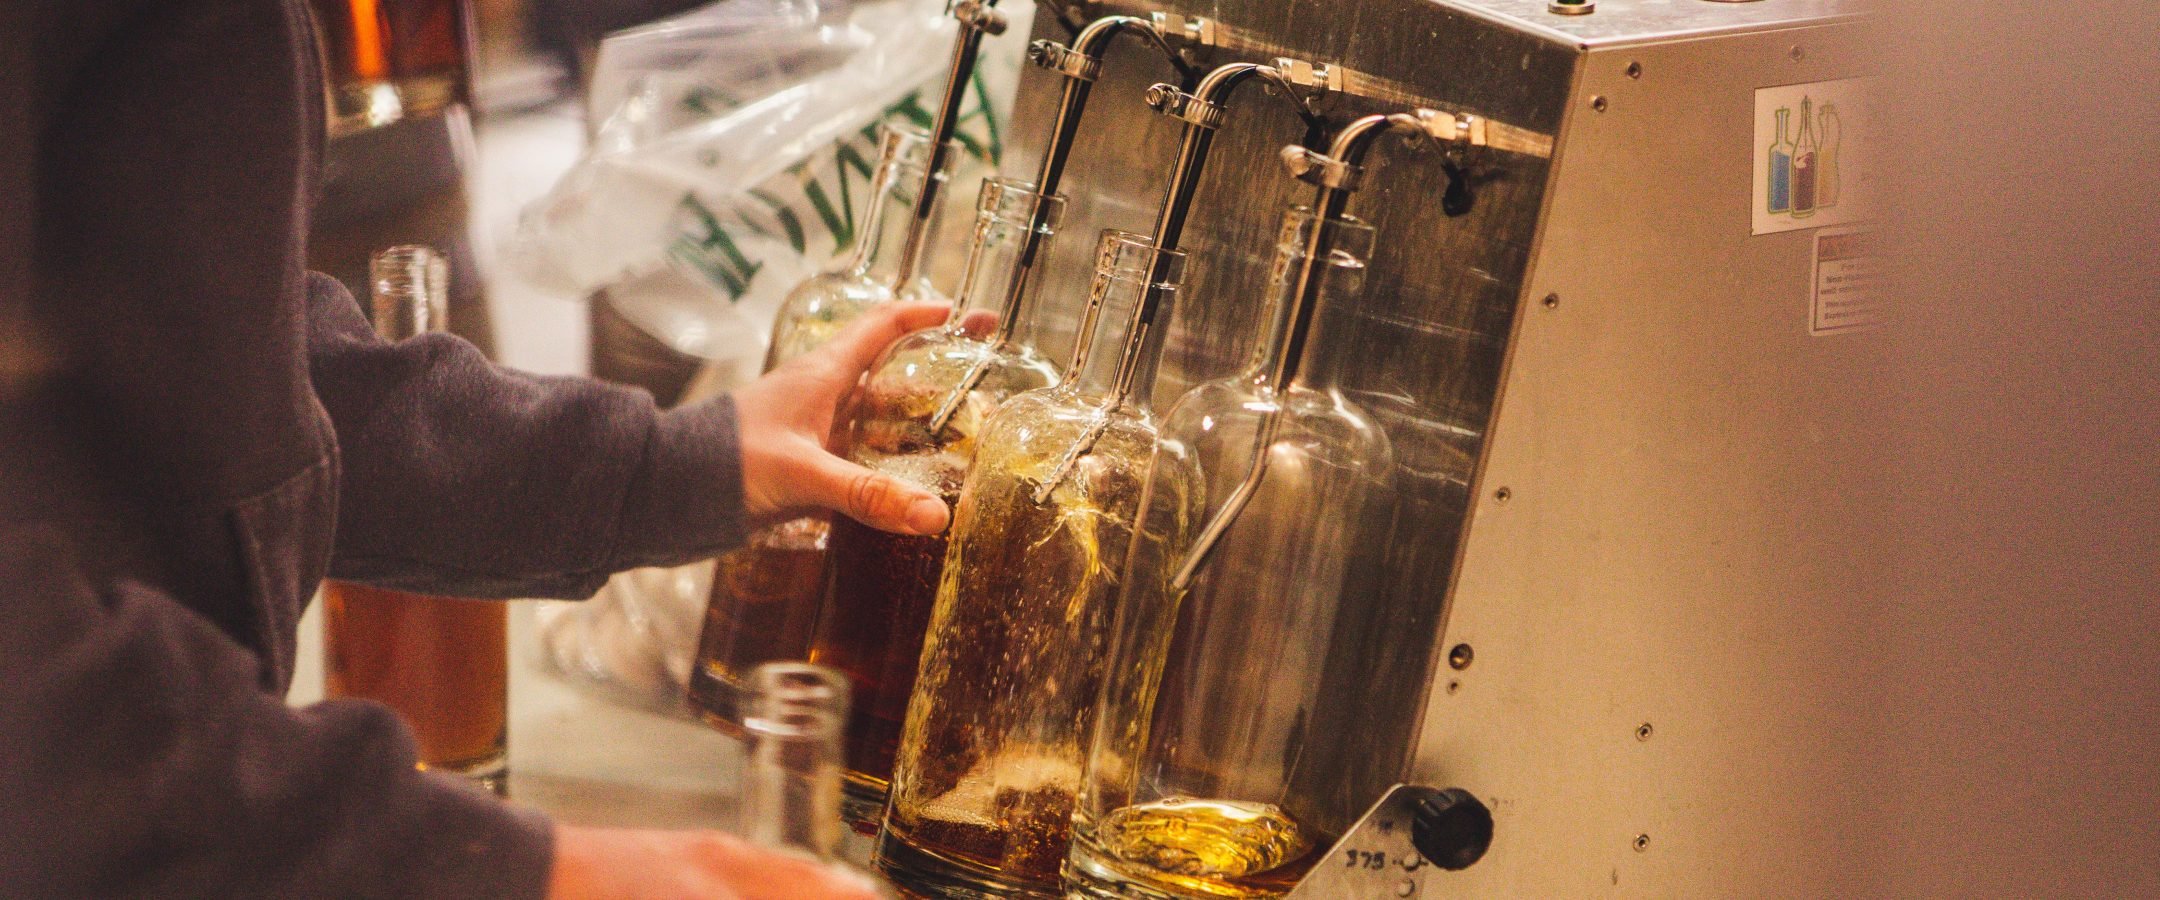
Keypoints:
(1408, 841)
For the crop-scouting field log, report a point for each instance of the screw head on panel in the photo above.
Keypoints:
(1459, 656)
(1642, 732)
(1598, 103)
(1571, 7)
(1642, 843)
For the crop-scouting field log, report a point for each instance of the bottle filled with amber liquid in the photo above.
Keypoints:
(442, 663)
(990, 754)
(917, 418)
(765, 594)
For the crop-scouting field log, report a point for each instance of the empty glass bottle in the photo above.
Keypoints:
(793, 716)
(990, 754)
(765, 594)
(1194, 786)
(792, 721)
(917, 418)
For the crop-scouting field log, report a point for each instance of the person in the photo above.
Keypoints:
(194, 431)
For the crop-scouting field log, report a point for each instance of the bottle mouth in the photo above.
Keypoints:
(1126, 256)
(1014, 201)
(796, 700)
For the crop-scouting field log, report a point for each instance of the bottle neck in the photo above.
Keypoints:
(1303, 296)
(987, 306)
(1115, 348)
(791, 779)
(881, 239)
(410, 291)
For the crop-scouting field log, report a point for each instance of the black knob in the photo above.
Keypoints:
(1451, 829)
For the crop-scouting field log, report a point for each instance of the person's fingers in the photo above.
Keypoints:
(856, 347)
(979, 323)
(874, 498)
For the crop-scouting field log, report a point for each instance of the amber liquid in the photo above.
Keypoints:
(424, 47)
(1194, 848)
(877, 609)
(764, 601)
(441, 663)
(994, 742)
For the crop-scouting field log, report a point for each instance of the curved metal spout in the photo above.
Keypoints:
(1079, 63)
(1337, 173)
(977, 18)
(1202, 111)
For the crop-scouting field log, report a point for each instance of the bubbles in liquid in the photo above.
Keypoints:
(1203, 838)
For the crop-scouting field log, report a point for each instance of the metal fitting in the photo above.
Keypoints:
(1314, 167)
(1064, 60)
(1453, 129)
(1317, 78)
(1178, 28)
(979, 16)
(1177, 104)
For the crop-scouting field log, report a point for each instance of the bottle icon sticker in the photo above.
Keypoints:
(1805, 173)
(1781, 167)
(1804, 162)
(1826, 192)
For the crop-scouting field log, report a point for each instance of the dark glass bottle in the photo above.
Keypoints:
(765, 594)
(917, 418)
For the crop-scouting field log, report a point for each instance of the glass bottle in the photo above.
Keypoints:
(917, 418)
(765, 593)
(1804, 170)
(989, 761)
(1781, 153)
(1193, 785)
(441, 662)
(1826, 184)
(793, 717)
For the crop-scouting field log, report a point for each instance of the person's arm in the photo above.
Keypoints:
(463, 478)
(139, 756)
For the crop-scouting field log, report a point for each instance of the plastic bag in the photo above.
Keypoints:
(731, 141)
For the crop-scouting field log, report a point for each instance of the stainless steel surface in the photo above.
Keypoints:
(1376, 858)
(1681, 474)
(1430, 331)
(1666, 442)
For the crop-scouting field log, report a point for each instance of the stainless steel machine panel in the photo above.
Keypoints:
(1650, 584)
(1630, 570)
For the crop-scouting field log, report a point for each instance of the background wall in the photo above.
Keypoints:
(2020, 644)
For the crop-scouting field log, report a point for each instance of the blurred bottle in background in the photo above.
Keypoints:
(399, 79)
(441, 663)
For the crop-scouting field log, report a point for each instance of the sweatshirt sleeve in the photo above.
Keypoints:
(467, 479)
(140, 757)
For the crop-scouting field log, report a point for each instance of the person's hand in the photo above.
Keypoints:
(628, 864)
(786, 419)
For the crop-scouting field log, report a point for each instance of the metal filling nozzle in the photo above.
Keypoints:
(1202, 110)
(1337, 173)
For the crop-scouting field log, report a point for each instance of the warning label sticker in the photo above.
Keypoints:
(1845, 293)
